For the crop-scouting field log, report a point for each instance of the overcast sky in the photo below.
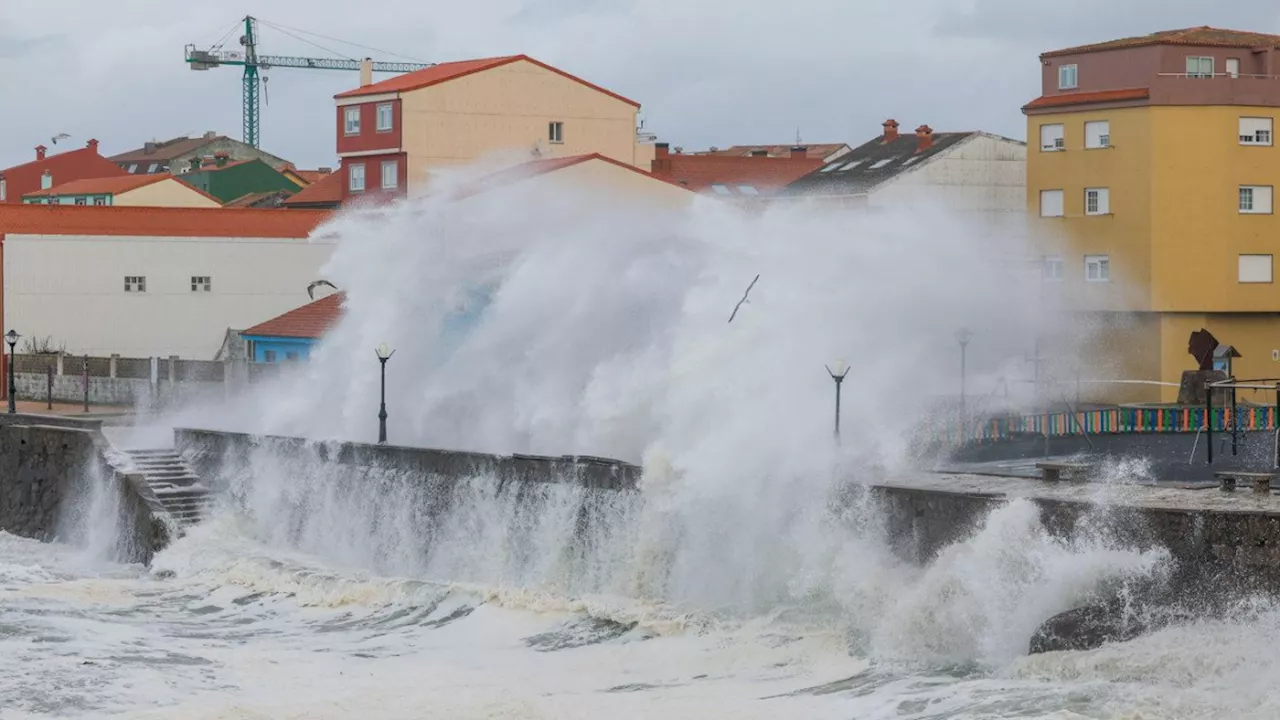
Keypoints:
(708, 72)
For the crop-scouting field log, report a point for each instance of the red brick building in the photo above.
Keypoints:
(47, 171)
(726, 176)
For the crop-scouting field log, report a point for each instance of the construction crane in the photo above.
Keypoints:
(253, 62)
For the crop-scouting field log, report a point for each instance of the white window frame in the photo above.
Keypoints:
(1097, 268)
(1051, 140)
(135, 283)
(555, 132)
(1240, 269)
(1258, 131)
(101, 201)
(394, 167)
(4, 190)
(1053, 268)
(352, 175)
(1052, 193)
(1072, 72)
(1100, 198)
(1233, 67)
(1196, 66)
(1255, 199)
(1095, 140)
(201, 283)
(389, 110)
(351, 120)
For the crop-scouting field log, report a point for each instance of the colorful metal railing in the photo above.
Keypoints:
(1108, 421)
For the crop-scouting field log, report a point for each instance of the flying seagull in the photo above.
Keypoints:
(59, 136)
(744, 298)
(311, 289)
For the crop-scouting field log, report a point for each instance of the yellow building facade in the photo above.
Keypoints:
(1151, 193)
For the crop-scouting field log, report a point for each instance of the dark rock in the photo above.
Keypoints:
(1087, 627)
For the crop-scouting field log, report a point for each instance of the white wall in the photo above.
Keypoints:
(986, 173)
(71, 289)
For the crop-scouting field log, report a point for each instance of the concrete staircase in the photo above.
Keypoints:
(179, 490)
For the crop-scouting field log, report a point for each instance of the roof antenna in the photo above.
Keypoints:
(797, 136)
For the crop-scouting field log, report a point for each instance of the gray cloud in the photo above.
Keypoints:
(708, 72)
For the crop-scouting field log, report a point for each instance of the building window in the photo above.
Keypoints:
(1097, 268)
(1254, 269)
(4, 191)
(351, 125)
(81, 201)
(1097, 134)
(384, 117)
(1233, 67)
(269, 355)
(1199, 66)
(355, 177)
(1255, 130)
(1097, 201)
(135, 283)
(46, 181)
(555, 132)
(132, 168)
(1053, 268)
(153, 167)
(748, 190)
(201, 283)
(1050, 203)
(290, 356)
(721, 189)
(1067, 77)
(1052, 138)
(99, 201)
(1255, 199)
(390, 175)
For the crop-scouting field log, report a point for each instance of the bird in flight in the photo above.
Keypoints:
(744, 298)
(311, 289)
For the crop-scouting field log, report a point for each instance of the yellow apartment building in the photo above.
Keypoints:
(1151, 174)
(392, 133)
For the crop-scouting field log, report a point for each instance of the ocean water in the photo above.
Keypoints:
(749, 577)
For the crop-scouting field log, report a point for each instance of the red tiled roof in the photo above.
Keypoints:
(309, 321)
(310, 176)
(1204, 36)
(766, 174)
(1101, 96)
(64, 167)
(326, 191)
(444, 72)
(101, 186)
(534, 168)
(93, 220)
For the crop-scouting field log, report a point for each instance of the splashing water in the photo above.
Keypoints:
(752, 563)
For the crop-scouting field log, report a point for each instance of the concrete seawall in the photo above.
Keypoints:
(54, 479)
(212, 452)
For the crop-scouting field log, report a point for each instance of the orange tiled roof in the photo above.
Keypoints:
(814, 150)
(102, 186)
(1203, 36)
(310, 176)
(309, 321)
(1101, 96)
(534, 168)
(93, 220)
(325, 191)
(67, 166)
(444, 72)
(766, 174)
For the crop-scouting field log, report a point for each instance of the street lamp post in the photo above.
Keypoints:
(838, 375)
(384, 354)
(11, 337)
(963, 336)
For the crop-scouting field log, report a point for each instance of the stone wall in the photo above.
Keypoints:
(209, 451)
(48, 480)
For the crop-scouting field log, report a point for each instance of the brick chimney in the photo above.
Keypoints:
(799, 152)
(366, 72)
(220, 158)
(325, 170)
(890, 130)
(924, 138)
(661, 164)
(40, 151)
(92, 145)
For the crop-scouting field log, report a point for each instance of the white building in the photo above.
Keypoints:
(959, 171)
(145, 281)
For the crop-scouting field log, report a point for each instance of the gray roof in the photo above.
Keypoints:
(873, 163)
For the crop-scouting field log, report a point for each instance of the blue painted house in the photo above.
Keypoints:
(290, 336)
